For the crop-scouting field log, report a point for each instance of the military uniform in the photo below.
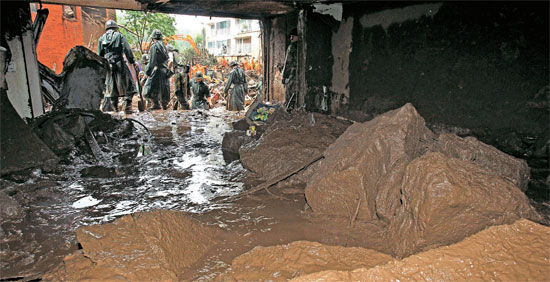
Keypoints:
(200, 94)
(237, 78)
(157, 85)
(289, 76)
(112, 45)
(183, 91)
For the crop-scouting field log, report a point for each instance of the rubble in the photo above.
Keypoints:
(383, 170)
(515, 252)
(284, 262)
(83, 75)
(289, 141)
(156, 245)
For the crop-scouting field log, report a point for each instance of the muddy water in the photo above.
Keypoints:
(180, 167)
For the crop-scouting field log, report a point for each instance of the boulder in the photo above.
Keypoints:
(486, 156)
(232, 142)
(446, 199)
(289, 142)
(283, 262)
(365, 156)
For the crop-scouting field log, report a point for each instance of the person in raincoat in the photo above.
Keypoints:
(182, 88)
(237, 78)
(112, 46)
(157, 74)
(289, 71)
(200, 92)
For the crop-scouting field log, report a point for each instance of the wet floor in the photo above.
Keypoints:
(178, 167)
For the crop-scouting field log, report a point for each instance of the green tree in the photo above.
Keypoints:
(138, 26)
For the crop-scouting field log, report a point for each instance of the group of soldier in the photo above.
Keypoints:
(155, 70)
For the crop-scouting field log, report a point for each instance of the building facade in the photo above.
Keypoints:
(66, 27)
(235, 38)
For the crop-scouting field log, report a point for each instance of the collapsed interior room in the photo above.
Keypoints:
(456, 85)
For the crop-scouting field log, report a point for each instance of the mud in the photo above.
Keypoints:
(445, 200)
(180, 168)
(488, 157)
(156, 245)
(515, 252)
(289, 141)
(284, 262)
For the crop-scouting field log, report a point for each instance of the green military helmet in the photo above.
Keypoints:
(110, 24)
(157, 34)
(233, 63)
(144, 57)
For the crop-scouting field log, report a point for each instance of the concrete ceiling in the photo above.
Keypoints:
(219, 8)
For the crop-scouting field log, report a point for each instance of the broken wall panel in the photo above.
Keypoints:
(278, 42)
(84, 75)
(23, 72)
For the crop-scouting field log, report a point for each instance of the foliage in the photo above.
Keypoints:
(137, 27)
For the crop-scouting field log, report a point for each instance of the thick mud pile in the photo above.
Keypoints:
(383, 169)
(152, 246)
(284, 262)
(516, 252)
(289, 142)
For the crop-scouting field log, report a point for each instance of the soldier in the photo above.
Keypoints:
(238, 79)
(157, 85)
(289, 72)
(112, 45)
(182, 88)
(200, 92)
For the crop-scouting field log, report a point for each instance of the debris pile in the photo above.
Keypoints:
(384, 169)
(290, 140)
(284, 262)
(93, 136)
(156, 245)
(515, 252)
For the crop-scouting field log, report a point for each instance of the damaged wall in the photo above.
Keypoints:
(467, 65)
(23, 72)
(277, 42)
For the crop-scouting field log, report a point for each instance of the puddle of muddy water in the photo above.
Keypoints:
(180, 167)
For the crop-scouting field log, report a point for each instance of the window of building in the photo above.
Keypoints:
(210, 44)
(69, 12)
(243, 45)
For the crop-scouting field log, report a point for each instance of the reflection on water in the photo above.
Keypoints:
(179, 167)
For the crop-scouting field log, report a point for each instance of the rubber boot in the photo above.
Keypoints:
(128, 107)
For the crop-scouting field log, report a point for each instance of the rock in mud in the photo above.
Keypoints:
(367, 154)
(516, 252)
(283, 262)
(10, 209)
(445, 200)
(99, 172)
(486, 156)
(240, 125)
(232, 142)
(151, 246)
(288, 143)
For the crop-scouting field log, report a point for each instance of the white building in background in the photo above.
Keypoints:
(229, 37)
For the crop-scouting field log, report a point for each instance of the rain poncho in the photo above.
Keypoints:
(200, 94)
(157, 85)
(237, 78)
